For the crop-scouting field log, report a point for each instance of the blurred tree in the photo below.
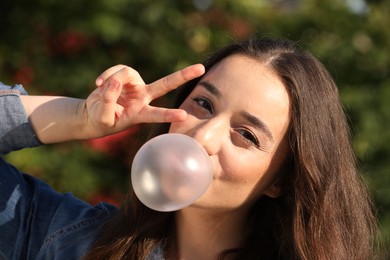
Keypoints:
(61, 47)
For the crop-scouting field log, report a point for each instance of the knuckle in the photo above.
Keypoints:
(183, 75)
(165, 82)
(130, 71)
(105, 122)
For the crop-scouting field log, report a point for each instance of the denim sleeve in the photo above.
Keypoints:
(16, 131)
(15, 200)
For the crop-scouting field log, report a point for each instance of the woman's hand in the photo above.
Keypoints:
(122, 99)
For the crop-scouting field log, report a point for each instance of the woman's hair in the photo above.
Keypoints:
(324, 211)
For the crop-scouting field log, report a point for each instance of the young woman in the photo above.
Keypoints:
(285, 183)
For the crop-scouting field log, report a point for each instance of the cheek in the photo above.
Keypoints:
(172, 128)
(177, 127)
(240, 167)
(184, 127)
(243, 178)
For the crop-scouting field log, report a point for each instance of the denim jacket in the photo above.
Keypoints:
(37, 222)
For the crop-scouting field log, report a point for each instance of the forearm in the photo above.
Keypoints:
(55, 119)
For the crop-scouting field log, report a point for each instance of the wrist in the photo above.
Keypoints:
(83, 122)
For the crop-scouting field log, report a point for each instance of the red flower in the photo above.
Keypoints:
(67, 42)
(24, 75)
(112, 144)
(112, 198)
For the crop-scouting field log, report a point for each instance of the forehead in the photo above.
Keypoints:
(239, 74)
(246, 84)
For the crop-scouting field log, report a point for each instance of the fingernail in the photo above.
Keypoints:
(113, 84)
(99, 81)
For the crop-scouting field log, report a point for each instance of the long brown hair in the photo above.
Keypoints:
(324, 212)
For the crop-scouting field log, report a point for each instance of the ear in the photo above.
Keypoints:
(274, 190)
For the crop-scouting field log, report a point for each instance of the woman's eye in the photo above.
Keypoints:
(205, 104)
(249, 136)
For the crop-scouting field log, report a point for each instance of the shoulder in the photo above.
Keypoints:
(156, 254)
(73, 240)
(35, 219)
(71, 226)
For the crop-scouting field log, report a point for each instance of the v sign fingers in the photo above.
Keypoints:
(123, 99)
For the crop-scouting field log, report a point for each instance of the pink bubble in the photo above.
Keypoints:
(170, 172)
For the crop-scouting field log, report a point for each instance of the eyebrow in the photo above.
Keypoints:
(259, 124)
(211, 88)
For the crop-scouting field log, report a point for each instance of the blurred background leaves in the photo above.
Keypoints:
(60, 47)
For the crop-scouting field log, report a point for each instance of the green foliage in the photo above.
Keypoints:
(61, 47)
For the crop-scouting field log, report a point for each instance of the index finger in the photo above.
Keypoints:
(174, 80)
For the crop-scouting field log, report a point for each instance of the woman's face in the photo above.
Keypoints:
(239, 112)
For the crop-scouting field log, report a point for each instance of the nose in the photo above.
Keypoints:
(210, 134)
